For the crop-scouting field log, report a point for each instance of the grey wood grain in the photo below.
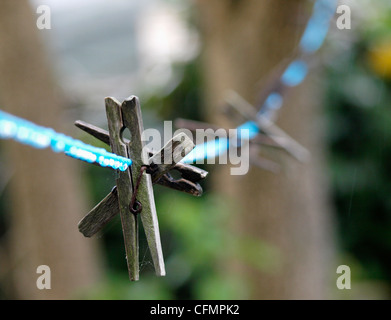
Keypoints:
(132, 120)
(125, 189)
(100, 215)
(172, 153)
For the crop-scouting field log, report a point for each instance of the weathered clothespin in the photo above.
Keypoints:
(264, 132)
(268, 127)
(133, 194)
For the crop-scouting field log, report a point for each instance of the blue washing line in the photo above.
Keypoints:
(313, 38)
(26, 132)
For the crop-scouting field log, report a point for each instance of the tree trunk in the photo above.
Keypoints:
(47, 197)
(244, 41)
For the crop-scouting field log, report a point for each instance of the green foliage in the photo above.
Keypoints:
(359, 116)
(184, 100)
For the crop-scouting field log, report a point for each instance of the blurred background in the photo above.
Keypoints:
(258, 236)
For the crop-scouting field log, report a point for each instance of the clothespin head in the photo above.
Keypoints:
(171, 154)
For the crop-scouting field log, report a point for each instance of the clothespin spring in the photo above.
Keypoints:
(135, 206)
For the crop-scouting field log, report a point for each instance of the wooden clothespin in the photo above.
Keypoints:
(269, 128)
(268, 134)
(133, 193)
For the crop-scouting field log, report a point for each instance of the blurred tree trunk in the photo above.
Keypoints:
(244, 41)
(46, 188)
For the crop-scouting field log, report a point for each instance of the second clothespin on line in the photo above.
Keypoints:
(262, 133)
(133, 194)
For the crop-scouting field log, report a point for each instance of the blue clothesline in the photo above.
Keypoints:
(26, 132)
